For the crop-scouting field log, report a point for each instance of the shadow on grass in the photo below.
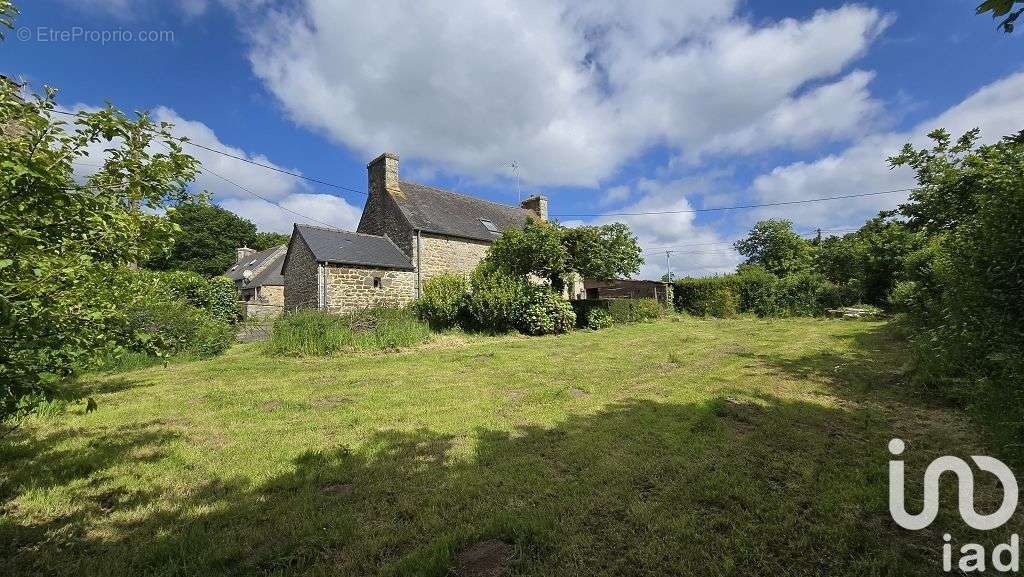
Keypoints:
(739, 485)
(642, 488)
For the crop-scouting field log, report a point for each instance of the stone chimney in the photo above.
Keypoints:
(242, 253)
(382, 174)
(538, 204)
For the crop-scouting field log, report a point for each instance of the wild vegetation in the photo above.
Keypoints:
(318, 333)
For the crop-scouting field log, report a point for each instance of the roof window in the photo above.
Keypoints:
(489, 225)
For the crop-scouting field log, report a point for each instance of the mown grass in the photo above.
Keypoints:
(682, 447)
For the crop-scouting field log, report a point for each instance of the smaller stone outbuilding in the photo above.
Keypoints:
(258, 278)
(628, 289)
(341, 271)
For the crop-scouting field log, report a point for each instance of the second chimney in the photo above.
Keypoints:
(243, 252)
(382, 174)
(538, 205)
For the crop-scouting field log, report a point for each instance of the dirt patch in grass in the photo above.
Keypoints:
(741, 415)
(484, 559)
(338, 488)
(577, 393)
(331, 402)
(271, 406)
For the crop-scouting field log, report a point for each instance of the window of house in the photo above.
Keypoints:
(376, 282)
(489, 225)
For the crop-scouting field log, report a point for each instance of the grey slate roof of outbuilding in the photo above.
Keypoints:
(344, 247)
(444, 212)
(268, 262)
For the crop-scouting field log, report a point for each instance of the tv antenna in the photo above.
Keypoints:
(515, 171)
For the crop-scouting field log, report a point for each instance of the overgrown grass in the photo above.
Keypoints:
(678, 447)
(315, 333)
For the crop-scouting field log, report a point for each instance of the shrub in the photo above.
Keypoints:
(634, 310)
(496, 302)
(173, 327)
(592, 314)
(801, 294)
(547, 313)
(758, 291)
(710, 296)
(217, 296)
(440, 305)
(319, 333)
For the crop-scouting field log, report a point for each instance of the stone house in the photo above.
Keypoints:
(258, 278)
(407, 234)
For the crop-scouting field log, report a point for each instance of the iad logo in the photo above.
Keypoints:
(1005, 557)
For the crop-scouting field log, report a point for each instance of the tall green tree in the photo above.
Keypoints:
(206, 238)
(554, 252)
(773, 245)
(64, 242)
(205, 241)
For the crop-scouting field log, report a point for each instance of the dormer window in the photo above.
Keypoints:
(489, 226)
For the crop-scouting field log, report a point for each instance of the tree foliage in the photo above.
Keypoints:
(1002, 9)
(773, 245)
(554, 252)
(206, 238)
(62, 241)
(966, 285)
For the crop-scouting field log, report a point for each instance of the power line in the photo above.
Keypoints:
(265, 199)
(741, 207)
(255, 163)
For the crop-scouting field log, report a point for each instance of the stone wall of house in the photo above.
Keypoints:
(271, 295)
(351, 288)
(300, 277)
(446, 254)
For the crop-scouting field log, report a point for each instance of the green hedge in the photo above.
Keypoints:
(596, 314)
(755, 290)
(173, 327)
(716, 296)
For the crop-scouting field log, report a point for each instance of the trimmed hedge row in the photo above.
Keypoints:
(755, 290)
(596, 314)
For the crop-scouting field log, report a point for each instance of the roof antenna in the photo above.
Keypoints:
(515, 171)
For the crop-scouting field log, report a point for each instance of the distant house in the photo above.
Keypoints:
(408, 233)
(257, 275)
(628, 289)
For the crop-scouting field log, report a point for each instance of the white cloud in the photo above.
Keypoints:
(285, 190)
(997, 109)
(570, 91)
(699, 251)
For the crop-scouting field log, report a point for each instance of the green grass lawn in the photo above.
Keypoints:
(683, 447)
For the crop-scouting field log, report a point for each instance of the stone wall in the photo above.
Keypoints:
(300, 277)
(351, 288)
(381, 215)
(446, 254)
(271, 295)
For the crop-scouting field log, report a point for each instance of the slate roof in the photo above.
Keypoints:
(265, 263)
(343, 247)
(445, 212)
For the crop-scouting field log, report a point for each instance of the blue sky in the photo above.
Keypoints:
(607, 109)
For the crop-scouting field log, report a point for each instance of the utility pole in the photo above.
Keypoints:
(668, 262)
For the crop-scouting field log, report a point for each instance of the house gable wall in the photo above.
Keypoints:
(300, 276)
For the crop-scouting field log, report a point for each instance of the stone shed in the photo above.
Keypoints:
(341, 271)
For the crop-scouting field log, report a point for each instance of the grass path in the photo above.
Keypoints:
(687, 447)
